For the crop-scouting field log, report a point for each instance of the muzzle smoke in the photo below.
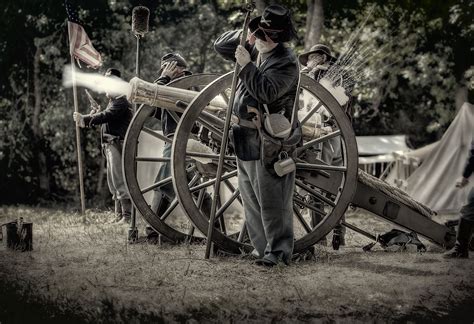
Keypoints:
(96, 82)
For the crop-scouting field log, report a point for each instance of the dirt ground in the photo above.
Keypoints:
(82, 270)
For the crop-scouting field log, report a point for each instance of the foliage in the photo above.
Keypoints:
(409, 89)
(412, 69)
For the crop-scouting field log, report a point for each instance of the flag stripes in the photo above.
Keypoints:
(81, 47)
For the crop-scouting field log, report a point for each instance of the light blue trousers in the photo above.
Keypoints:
(115, 178)
(268, 207)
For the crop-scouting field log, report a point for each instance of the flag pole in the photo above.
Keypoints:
(78, 139)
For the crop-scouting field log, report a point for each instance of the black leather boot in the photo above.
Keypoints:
(126, 211)
(461, 248)
(338, 237)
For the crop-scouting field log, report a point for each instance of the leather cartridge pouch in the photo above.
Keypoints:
(246, 142)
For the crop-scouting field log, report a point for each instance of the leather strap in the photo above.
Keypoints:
(242, 122)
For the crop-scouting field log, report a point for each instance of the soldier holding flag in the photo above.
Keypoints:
(114, 120)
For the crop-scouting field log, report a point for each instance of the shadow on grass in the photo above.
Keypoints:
(387, 269)
(21, 304)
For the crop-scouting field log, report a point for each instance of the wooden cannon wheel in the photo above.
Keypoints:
(332, 187)
(133, 160)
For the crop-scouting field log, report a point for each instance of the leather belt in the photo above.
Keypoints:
(243, 122)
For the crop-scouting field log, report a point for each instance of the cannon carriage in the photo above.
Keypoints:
(199, 103)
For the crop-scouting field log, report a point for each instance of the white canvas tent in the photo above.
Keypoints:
(404, 164)
(376, 153)
(380, 145)
(433, 183)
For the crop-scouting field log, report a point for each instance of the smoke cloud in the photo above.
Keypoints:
(95, 82)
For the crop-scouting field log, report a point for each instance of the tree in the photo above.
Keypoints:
(424, 58)
(314, 23)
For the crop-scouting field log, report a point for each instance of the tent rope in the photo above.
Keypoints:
(395, 193)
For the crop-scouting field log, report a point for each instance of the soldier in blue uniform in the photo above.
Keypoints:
(114, 121)
(268, 76)
(466, 221)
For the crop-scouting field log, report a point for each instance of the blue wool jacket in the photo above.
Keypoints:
(114, 119)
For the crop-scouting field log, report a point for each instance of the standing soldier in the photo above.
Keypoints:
(268, 76)
(114, 120)
(466, 221)
(317, 62)
(173, 66)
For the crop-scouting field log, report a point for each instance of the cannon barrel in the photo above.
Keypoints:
(152, 94)
(167, 97)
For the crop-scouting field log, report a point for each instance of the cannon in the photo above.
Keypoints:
(199, 103)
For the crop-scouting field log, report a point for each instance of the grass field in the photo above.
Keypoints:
(82, 270)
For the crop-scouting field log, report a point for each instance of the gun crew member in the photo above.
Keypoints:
(268, 76)
(173, 66)
(114, 120)
(466, 221)
(317, 62)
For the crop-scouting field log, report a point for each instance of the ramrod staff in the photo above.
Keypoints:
(249, 8)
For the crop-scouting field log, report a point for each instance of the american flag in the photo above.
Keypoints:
(80, 45)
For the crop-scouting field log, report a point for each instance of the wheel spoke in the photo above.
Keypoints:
(174, 115)
(231, 187)
(158, 184)
(157, 135)
(309, 206)
(222, 226)
(301, 219)
(318, 140)
(210, 156)
(155, 159)
(314, 193)
(208, 124)
(309, 166)
(199, 202)
(212, 119)
(220, 220)
(152, 159)
(311, 113)
(200, 198)
(242, 232)
(174, 203)
(226, 205)
(321, 172)
(164, 182)
(225, 97)
(170, 209)
(212, 181)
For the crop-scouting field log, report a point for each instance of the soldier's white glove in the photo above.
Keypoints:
(170, 70)
(79, 119)
(323, 112)
(242, 56)
(326, 130)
